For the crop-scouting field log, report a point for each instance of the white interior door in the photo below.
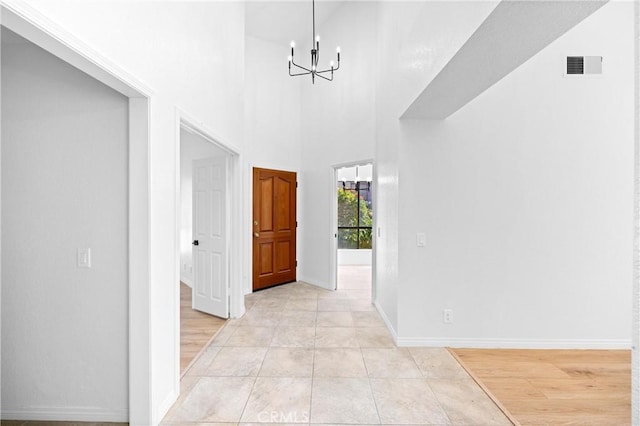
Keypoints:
(210, 253)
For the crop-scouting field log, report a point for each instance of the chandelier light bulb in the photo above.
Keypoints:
(338, 49)
(317, 38)
(293, 44)
(289, 58)
(331, 64)
(313, 67)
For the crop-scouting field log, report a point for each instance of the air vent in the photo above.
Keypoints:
(575, 64)
(581, 65)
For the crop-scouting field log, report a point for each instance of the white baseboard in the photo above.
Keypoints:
(166, 405)
(315, 283)
(385, 318)
(69, 414)
(187, 281)
(515, 343)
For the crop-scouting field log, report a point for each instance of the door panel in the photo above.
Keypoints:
(266, 205)
(274, 227)
(266, 259)
(209, 230)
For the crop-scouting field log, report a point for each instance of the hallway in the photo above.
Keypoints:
(306, 355)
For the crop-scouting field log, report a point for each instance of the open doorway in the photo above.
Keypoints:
(354, 194)
(204, 251)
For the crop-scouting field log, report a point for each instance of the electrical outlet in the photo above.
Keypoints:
(447, 316)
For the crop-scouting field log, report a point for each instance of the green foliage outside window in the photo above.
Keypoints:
(348, 215)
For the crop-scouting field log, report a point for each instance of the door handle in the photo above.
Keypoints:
(196, 243)
(255, 234)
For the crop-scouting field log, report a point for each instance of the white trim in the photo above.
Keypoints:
(385, 318)
(139, 296)
(69, 414)
(333, 239)
(29, 23)
(374, 237)
(171, 398)
(197, 127)
(333, 243)
(635, 327)
(454, 342)
(323, 285)
(187, 122)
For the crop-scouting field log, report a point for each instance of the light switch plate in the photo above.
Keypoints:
(84, 258)
(421, 239)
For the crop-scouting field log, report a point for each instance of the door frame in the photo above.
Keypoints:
(186, 122)
(333, 214)
(29, 23)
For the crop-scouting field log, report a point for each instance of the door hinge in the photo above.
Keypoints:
(296, 184)
(296, 223)
(296, 263)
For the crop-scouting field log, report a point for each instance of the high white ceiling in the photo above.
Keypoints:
(283, 21)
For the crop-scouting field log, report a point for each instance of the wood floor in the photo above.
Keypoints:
(555, 387)
(196, 328)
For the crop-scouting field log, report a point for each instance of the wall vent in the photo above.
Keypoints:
(581, 65)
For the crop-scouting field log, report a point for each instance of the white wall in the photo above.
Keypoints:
(191, 54)
(272, 126)
(64, 187)
(192, 147)
(525, 196)
(338, 127)
(354, 256)
(414, 41)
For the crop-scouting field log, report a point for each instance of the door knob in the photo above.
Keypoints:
(255, 234)
(195, 242)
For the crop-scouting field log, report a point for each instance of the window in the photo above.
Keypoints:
(355, 215)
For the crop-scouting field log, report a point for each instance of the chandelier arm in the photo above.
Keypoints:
(330, 70)
(325, 71)
(300, 66)
(326, 78)
(297, 74)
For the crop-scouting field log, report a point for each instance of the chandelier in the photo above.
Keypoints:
(315, 56)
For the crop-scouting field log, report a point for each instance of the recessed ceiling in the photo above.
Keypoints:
(283, 21)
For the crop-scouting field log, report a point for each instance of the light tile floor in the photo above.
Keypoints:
(354, 277)
(306, 355)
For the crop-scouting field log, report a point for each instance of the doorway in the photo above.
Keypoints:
(75, 237)
(274, 227)
(354, 212)
(204, 210)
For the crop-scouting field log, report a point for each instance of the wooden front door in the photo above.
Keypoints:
(274, 227)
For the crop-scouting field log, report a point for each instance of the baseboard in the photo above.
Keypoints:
(385, 318)
(166, 405)
(67, 414)
(316, 283)
(515, 343)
